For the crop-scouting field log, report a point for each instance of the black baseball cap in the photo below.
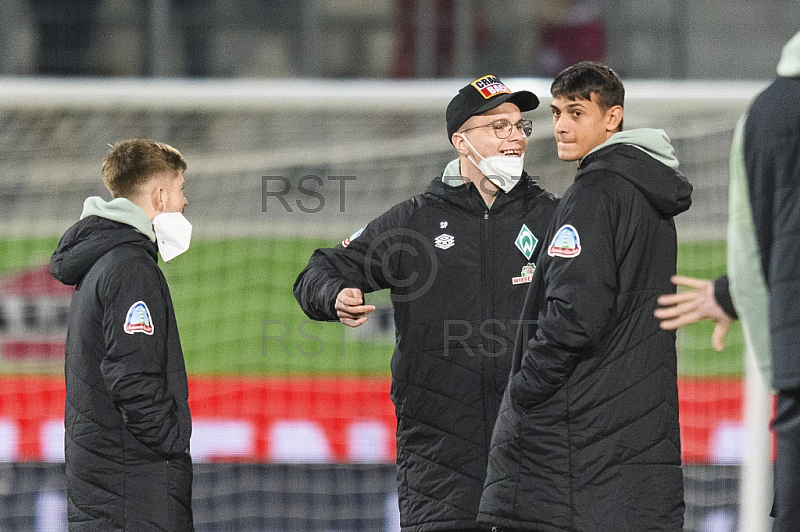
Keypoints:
(481, 95)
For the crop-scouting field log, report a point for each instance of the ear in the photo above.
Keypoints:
(614, 118)
(460, 144)
(157, 197)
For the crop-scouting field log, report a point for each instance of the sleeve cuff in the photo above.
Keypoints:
(723, 296)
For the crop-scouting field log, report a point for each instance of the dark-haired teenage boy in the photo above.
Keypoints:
(587, 436)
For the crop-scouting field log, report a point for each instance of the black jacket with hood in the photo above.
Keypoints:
(451, 266)
(772, 163)
(127, 417)
(587, 436)
(764, 224)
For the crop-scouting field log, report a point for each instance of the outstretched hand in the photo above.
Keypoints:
(699, 303)
(350, 307)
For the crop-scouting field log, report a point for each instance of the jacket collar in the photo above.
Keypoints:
(451, 188)
(120, 210)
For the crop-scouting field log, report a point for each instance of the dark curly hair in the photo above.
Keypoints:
(580, 80)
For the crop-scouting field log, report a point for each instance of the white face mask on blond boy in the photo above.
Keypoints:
(173, 234)
(503, 171)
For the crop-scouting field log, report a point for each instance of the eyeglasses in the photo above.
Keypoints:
(503, 128)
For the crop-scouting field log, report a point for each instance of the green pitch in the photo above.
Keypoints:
(707, 260)
(20, 253)
(237, 314)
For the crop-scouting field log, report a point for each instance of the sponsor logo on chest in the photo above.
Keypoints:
(526, 276)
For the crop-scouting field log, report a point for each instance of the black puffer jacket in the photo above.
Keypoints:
(587, 436)
(451, 266)
(127, 418)
(772, 159)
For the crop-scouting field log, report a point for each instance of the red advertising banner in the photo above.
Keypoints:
(318, 420)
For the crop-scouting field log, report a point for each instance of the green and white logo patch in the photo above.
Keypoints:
(526, 241)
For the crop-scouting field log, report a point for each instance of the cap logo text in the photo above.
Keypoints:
(490, 86)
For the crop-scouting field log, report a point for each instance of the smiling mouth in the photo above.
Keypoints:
(511, 153)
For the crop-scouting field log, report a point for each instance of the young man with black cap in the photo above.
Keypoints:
(587, 437)
(457, 260)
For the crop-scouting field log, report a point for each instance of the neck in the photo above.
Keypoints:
(471, 173)
(145, 205)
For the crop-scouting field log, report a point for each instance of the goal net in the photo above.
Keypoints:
(294, 429)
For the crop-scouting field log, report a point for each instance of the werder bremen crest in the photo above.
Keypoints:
(526, 241)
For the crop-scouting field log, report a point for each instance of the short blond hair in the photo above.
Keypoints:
(133, 162)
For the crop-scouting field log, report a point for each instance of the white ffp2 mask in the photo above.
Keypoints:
(173, 234)
(502, 170)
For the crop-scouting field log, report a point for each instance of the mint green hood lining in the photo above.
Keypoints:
(120, 210)
(452, 174)
(654, 142)
(748, 289)
(789, 64)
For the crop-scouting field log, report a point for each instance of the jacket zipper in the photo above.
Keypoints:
(488, 361)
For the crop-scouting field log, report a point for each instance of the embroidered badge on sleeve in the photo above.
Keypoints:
(138, 319)
(566, 243)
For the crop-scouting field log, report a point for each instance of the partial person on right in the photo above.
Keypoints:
(763, 266)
